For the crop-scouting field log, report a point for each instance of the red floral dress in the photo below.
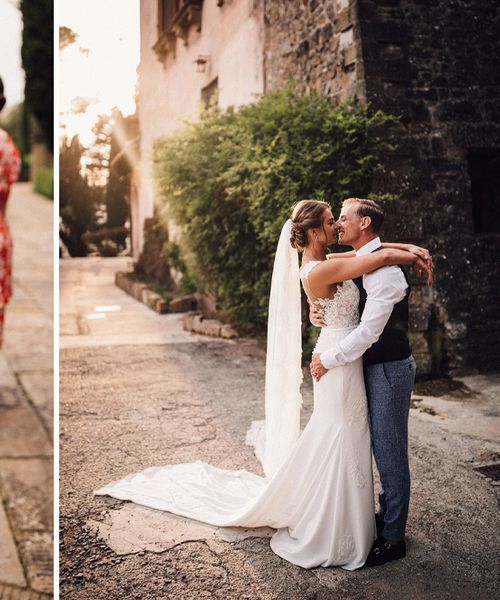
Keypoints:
(10, 166)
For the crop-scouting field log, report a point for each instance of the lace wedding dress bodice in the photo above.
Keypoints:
(342, 310)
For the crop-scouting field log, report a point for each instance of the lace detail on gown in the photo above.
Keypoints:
(342, 310)
(356, 472)
(345, 548)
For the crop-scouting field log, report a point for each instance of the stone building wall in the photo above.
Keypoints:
(436, 66)
(316, 43)
(433, 64)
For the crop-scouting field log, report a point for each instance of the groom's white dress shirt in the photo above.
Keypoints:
(384, 287)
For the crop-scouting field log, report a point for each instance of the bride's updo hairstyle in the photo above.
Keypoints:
(307, 214)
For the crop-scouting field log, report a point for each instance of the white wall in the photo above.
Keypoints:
(170, 91)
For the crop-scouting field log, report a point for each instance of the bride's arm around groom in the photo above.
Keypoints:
(389, 370)
(380, 290)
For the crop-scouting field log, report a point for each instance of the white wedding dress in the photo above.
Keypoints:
(321, 498)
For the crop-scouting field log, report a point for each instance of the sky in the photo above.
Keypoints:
(11, 71)
(101, 65)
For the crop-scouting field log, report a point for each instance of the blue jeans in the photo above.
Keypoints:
(388, 387)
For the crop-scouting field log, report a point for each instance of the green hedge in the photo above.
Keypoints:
(44, 182)
(231, 179)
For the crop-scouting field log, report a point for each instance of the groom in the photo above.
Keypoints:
(389, 370)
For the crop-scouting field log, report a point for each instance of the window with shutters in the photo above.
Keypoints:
(175, 19)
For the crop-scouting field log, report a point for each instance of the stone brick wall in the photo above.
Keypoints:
(315, 42)
(436, 66)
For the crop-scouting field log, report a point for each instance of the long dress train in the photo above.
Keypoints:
(320, 500)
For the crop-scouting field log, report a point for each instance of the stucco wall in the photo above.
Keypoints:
(231, 37)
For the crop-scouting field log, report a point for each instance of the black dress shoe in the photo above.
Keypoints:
(383, 551)
(379, 522)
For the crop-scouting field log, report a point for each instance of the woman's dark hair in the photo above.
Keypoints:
(307, 214)
(2, 97)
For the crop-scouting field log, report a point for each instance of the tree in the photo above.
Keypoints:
(77, 198)
(112, 178)
(118, 188)
(38, 63)
(95, 204)
(97, 155)
(66, 37)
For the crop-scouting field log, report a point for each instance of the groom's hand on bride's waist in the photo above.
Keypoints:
(317, 368)
(316, 314)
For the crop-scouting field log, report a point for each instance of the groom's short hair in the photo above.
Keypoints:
(368, 208)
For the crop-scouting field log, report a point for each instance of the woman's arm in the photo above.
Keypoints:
(341, 269)
(423, 253)
(350, 254)
(413, 248)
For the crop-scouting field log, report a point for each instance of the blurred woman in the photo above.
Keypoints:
(10, 166)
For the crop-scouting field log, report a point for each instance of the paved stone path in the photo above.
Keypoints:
(94, 312)
(26, 405)
(137, 391)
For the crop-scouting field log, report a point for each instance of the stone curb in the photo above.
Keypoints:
(191, 321)
(197, 323)
(141, 292)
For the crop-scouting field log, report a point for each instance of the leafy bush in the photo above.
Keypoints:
(172, 255)
(44, 182)
(78, 201)
(151, 263)
(38, 63)
(231, 179)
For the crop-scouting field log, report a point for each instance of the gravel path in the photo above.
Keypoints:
(128, 406)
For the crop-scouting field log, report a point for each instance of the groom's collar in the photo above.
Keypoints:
(369, 247)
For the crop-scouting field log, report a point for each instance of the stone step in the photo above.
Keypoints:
(13, 593)
(11, 571)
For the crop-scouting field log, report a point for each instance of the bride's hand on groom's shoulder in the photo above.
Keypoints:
(419, 251)
(422, 253)
(423, 268)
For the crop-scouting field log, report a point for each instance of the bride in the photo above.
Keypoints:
(318, 489)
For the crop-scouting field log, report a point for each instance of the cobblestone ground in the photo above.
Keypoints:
(26, 405)
(136, 391)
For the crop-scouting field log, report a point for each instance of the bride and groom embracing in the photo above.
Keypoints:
(318, 489)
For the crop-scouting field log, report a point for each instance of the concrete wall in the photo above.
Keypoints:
(231, 36)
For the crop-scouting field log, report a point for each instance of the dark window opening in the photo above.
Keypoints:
(175, 19)
(484, 171)
(209, 92)
(167, 11)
